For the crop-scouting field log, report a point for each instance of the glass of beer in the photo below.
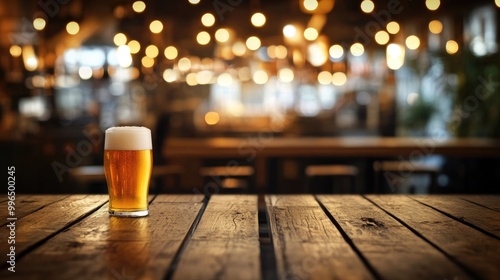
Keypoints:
(128, 161)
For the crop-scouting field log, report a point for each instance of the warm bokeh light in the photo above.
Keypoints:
(497, 2)
(357, 49)
(204, 77)
(208, 19)
(260, 77)
(194, 2)
(39, 23)
(452, 47)
(289, 31)
(339, 79)
(120, 39)
(184, 64)
(253, 43)
(432, 5)
(258, 19)
(395, 56)
(171, 52)
(280, 52)
(203, 38)
(134, 46)
(435, 27)
(191, 79)
(72, 28)
(15, 51)
(286, 75)
(152, 51)
(392, 27)
(324, 77)
(222, 35)
(239, 48)
(124, 57)
(85, 72)
(225, 79)
(412, 42)
(244, 74)
(336, 52)
(212, 118)
(169, 75)
(310, 5)
(156, 26)
(147, 62)
(382, 37)
(139, 6)
(311, 34)
(367, 6)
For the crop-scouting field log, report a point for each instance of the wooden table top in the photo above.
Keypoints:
(269, 146)
(252, 237)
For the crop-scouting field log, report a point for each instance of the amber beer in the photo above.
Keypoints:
(128, 161)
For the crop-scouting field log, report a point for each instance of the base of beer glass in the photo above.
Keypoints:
(139, 213)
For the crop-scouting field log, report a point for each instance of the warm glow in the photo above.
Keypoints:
(203, 38)
(139, 6)
(451, 47)
(260, 77)
(286, 75)
(72, 28)
(31, 63)
(239, 48)
(39, 23)
(169, 75)
(336, 52)
(357, 49)
(134, 46)
(212, 118)
(29, 58)
(253, 43)
(339, 79)
(194, 2)
(123, 55)
(225, 79)
(147, 62)
(289, 31)
(432, 4)
(171, 52)
(152, 51)
(208, 19)
(15, 51)
(435, 27)
(156, 26)
(367, 6)
(85, 72)
(311, 34)
(258, 19)
(392, 27)
(222, 35)
(184, 64)
(204, 77)
(395, 55)
(382, 37)
(412, 42)
(324, 77)
(120, 39)
(280, 52)
(244, 74)
(310, 5)
(497, 2)
(191, 79)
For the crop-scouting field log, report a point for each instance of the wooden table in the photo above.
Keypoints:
(251, 237)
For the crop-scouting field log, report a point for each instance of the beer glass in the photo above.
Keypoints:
(128, 161)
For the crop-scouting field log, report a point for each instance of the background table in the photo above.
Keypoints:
(251, 237)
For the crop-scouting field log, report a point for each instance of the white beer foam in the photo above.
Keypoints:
(132, 138)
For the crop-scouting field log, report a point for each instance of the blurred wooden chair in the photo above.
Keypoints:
(396, 172)
(337, 172)
(230, 179)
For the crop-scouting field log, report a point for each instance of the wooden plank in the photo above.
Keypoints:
(104, 247)
(225, 244)
(307, 244)
(44, 223)
(27, 204)
(481, 217)
(476, 251)
(489, 201)
(391, 248)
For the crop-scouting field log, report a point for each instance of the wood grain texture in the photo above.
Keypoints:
(225, 244)
(486, 219)
(307, 244)
(27, 204)
(476, 251)
(392, 249)
(489, 201)
(104, 247)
